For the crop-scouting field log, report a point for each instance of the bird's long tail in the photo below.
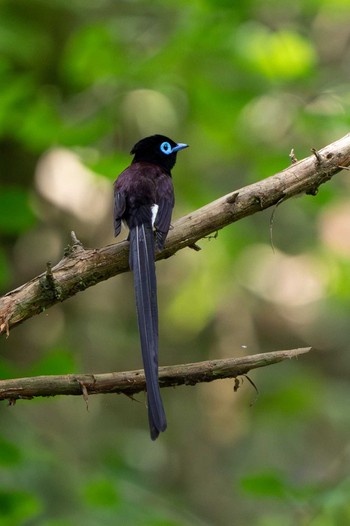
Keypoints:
(142, 264)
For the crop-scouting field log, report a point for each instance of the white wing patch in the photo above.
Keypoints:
(154, 210)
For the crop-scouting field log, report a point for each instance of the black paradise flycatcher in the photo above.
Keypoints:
(144, 200)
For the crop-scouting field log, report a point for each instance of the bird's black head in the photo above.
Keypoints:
(157, 149)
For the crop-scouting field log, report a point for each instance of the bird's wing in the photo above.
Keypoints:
(165, 208)
(119, 209)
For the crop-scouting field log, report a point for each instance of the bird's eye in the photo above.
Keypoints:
(165, 148)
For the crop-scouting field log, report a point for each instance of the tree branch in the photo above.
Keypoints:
(81, 268)
(132, 382)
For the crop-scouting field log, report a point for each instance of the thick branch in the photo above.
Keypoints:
(81, 268)
(131, 382)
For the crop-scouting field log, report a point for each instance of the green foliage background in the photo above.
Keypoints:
(242, 83)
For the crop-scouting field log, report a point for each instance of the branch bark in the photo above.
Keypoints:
(132, 382)
(81, 268)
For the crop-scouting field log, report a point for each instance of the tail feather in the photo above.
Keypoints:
(142, 264)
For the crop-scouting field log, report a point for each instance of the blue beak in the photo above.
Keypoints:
(179, 146)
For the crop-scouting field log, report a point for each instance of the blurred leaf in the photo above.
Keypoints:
(334, 507)
(7, 369)
(9, 453)
(93, 54)
(15, 213)
(5, 271)
(277, 55)
(85, 131)
(41, 123)
(110, 166)
(58, 522)
(265, 485)
(287, 398)
(339, 282)
(56, 361)
(198, 296)
(102, 493)
(15, 98)
(16, 507)
(23, 39)
(164, 522)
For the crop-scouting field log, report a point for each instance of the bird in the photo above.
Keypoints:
(144, 201)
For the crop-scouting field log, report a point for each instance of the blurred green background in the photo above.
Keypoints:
(241, 82)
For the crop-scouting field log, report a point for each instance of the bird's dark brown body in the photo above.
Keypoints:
(144, 200)
(141, 186)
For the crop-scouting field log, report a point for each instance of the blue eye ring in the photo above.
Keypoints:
(166, 148)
